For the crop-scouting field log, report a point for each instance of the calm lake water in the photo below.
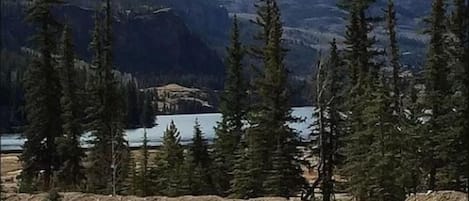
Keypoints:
(184, 123)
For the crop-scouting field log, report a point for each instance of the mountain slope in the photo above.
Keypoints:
(153, 43)
(311, 24)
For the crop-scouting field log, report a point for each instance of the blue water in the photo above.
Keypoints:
(184, 123)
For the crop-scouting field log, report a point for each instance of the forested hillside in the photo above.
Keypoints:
(140, 37)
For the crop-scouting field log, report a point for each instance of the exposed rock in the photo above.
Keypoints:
(439, 196)
(174, 98)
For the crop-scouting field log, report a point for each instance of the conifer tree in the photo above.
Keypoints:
(460, 29)
(328, 121)
(169, 171)
(360, 59)
(382, 162)
(274, 185)
(405, 124)
(42, 93)
(233, 107)
(411, 126)
(270, 117)
(394, 55)
(109, 152)
(437, 92)
(465, 123)
(243, 185)
(147, 120)
(201, 180)
(71, 174)
(133, 107)
(144, 174)
(131, 186)
(264, 22)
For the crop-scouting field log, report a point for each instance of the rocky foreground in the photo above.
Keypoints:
(436, 196)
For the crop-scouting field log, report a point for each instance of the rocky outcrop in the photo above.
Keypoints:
(439, 196)
(177, 99)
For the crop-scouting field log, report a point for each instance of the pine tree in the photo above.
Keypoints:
(360, 59)
(131, 186)
(233, 107)
(144, 169)
(133, 112)
(200, 162)
(460, 29)
(274, 184)
(42, 93)
(243, 186)
(71, 175)
(412, 143)
(270, 117)
(169, 171)
(109, 152)
(264, 22)
(384, 161)
(147, 118)
(465, 123)
(437, 137)
(405, 124)
(394, 55)
(328, 121)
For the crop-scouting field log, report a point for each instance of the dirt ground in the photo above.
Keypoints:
(436, 196)
(11, 168)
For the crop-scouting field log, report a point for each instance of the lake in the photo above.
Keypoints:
(184, 123)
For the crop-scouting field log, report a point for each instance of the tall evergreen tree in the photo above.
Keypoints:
(465, 130)
(109, 152)
(360, 59)
(233, 107)
(144, 168)
(404, 124)
(147, 117)
(394, 55)
(328, 121)
(460, 29)
(242, 185)
(71, 175)
(133, 105)
(264, 22)
(168, 174)
(200, 163)
(270, 117)
(147, 121)
(437, 137)
(42, 88)
(412, 142)
(382, 162)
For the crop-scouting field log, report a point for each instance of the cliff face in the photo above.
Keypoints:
(155, 43)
